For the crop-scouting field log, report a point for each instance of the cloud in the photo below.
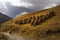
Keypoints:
(34, 4)
(13, 8)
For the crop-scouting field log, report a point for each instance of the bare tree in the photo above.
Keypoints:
(25, 21)
(19, 22)
(42, 18)
(52, 13)
(33, 20)
(46, 17)
(37, 20)
(29, 20)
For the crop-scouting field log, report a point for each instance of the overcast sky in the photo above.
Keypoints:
(12, 8)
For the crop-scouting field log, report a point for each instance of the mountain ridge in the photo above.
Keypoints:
(3, 18)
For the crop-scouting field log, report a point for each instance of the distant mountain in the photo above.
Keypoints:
(23, 25)
(3, 18)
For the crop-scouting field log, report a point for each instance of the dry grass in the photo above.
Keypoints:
(35, 32)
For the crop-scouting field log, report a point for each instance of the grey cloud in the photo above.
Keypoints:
(13, 11)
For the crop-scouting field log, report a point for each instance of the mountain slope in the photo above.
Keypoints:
(49, 29)
(3, 18)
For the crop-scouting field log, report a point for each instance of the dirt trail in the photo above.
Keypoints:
(12, 37)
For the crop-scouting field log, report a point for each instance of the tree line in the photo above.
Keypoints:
(36, 20)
